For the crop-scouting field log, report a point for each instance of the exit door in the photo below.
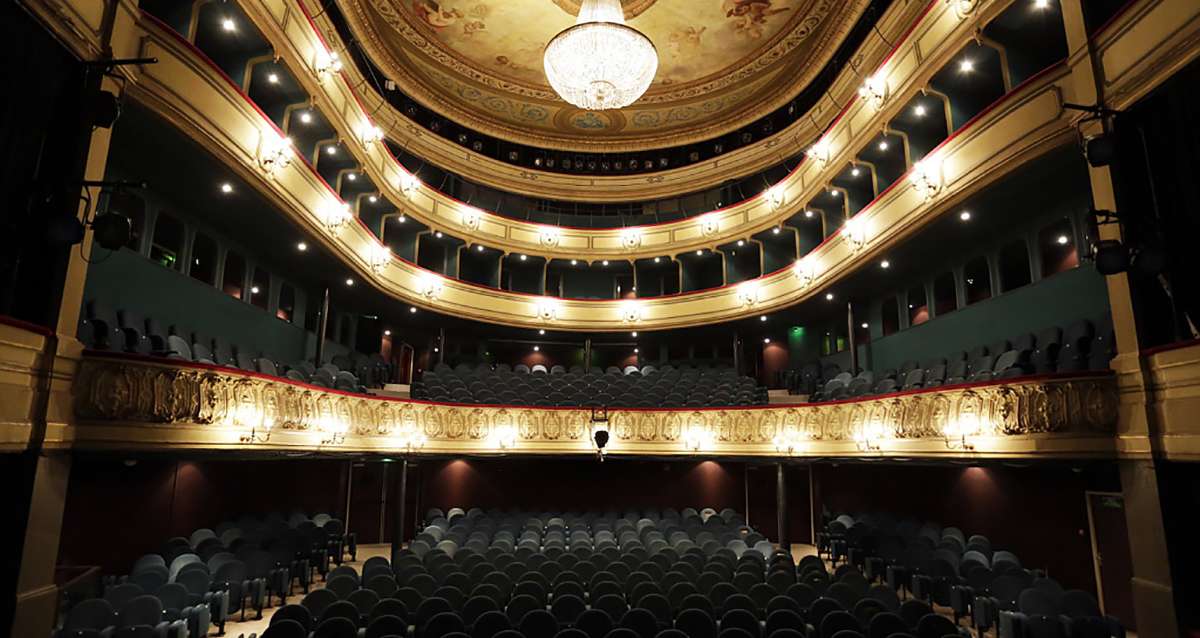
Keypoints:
(1110, 555)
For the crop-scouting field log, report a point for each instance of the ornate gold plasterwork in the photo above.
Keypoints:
(723, 62)
(138, 392)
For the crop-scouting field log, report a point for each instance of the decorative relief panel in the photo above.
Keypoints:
(138, 392)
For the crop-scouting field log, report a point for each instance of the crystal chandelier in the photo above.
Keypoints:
(600, 63)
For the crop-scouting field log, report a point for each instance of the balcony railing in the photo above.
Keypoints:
(139, 402)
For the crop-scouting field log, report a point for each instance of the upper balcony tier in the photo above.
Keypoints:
(1022, 123)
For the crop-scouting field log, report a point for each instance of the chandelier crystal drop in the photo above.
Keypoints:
(600, 63)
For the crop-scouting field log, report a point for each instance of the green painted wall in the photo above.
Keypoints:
(1079, 293)
(127, 280)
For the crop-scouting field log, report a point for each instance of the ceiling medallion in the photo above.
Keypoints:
(600, 63)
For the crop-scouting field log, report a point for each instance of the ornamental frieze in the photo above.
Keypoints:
(126, 391)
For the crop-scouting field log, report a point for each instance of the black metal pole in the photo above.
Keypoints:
(401, 513)
(587, 355)
(441, 345)
(850, 330)
(737, 355)
(322, 327)
(781, 512)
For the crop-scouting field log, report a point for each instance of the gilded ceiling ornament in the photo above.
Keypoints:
(470, 218)
(747, 294)
(380, 258)
(431, 286)
(408, 184)
(820, 152)
(854, 231)
(963, 8)
(710, 224)
(631, 238)
(776, 197)
(874, 91)
(549, 236)
(336, 215)
(275, 152)
(926, 178)
(546, 309)
(631, 313)
(805, 271)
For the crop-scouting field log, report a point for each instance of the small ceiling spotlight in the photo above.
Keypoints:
(700, 252)
(254, 290)
(479, 247)
(883, 146)
(762, 318)
(438, 234)
(966, 66)
(537, 348)
(228, 24)
(741, 242)
(1063, 240)
(412, 310)
(633, 334)
(301, 246)
(775, 230)
(226, 188)
(574, 262)
(656, 259)
(351, 176)
(306, 117)
(829, 296)
(349, 281)
(401, 219)
(331, 150)
(834, 192)
(542, 332)
(866, 325)
(635, 351)
(1041, 4)
(373, 199)
(387, 333)
(523, 257)
(919, 110)
(273, 78)
(808, 214)
(885, 264)
(766, 340)
(604, 263)
(855, 172)
(965, 216)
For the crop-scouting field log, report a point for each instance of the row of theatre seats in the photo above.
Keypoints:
(648, 574)
(947, 567)
(646, 387)
(129, 331)
(193, 584)
(1081, 346)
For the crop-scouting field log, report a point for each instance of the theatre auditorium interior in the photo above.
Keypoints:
(600, 319)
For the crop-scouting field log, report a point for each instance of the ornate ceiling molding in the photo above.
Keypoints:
(136, 402)
(182, 88)
(502, 105)
(907, 70)
(287, 30)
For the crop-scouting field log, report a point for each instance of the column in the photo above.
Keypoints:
(781, 510)
(1153, 594)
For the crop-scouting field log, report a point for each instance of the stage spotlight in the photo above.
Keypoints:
(1100, 150)
(111, 230)
(1111, 257)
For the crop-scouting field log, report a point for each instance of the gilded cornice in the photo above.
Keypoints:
(140, 403)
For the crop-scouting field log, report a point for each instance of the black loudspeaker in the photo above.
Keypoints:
(106, 108)
(1111, 257)
(111, 230)
(1100, 150)
(601, 438)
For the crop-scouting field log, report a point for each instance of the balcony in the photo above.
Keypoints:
(132, 402)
